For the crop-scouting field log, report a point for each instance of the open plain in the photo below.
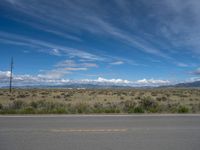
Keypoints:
(87, 101)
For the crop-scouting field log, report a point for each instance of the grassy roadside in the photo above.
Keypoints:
(99, 101)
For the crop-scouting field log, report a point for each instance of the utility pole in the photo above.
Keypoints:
(11, 72)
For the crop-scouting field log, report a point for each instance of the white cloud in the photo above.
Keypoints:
(179, 24)
(52, 77)
(117, 63)
(179, 64)
(196, 72)
(174, 21)
(11, 1)
(55, 77)
(129, 39)
(73, 63)
(138, 83)
(89, 65)
(55, 52)
(152, 82)
(53, 74)
(4, 74)
(47, 47)
(67, 63)
(91, 20)
(76, 69)
(193, 79)
(114, 81)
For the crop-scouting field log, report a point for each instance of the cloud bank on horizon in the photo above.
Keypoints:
(131, 42)
(28, 80)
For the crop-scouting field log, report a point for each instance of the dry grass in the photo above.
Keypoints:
(100, 101)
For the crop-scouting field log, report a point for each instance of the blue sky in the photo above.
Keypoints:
(137, 42)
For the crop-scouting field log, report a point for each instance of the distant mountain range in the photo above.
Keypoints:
(75, 86)
(195, 84)
(86, 86)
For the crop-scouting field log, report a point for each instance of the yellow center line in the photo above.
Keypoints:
(88, 130)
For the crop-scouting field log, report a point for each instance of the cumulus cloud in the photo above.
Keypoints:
(115, 81)
(56, 78)
(52, 77)
(152, 82)
(138, 83)
(4, 74)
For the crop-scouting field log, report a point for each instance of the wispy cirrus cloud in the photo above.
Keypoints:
(142, 33)
(47, 47)
(117, 63)
(178, 23)
(129, 39)
(73, 63)
(55, 52)
(62, 68)
(171, 22)
(56, 73)
(92, 20)
(76, 69)
(180, 64)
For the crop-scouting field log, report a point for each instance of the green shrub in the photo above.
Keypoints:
(121, 98)
(81, 108)
(138, 110)
(129, 106)
(163, 98)
(194, 108)
(183, 109)
(153, 109)
(154, 94)
(17, 104)
(12, 98)
(21, 96)
(1, 106)
(60, 110)
(8, 111)
(34, 104)
(111, 110)
(148, 103)
(27, 110)
(131, 110)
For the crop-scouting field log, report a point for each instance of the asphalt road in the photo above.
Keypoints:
(158, 132)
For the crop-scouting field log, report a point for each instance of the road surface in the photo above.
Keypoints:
(134, 132)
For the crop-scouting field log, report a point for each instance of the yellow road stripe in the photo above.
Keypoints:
(89, 130)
